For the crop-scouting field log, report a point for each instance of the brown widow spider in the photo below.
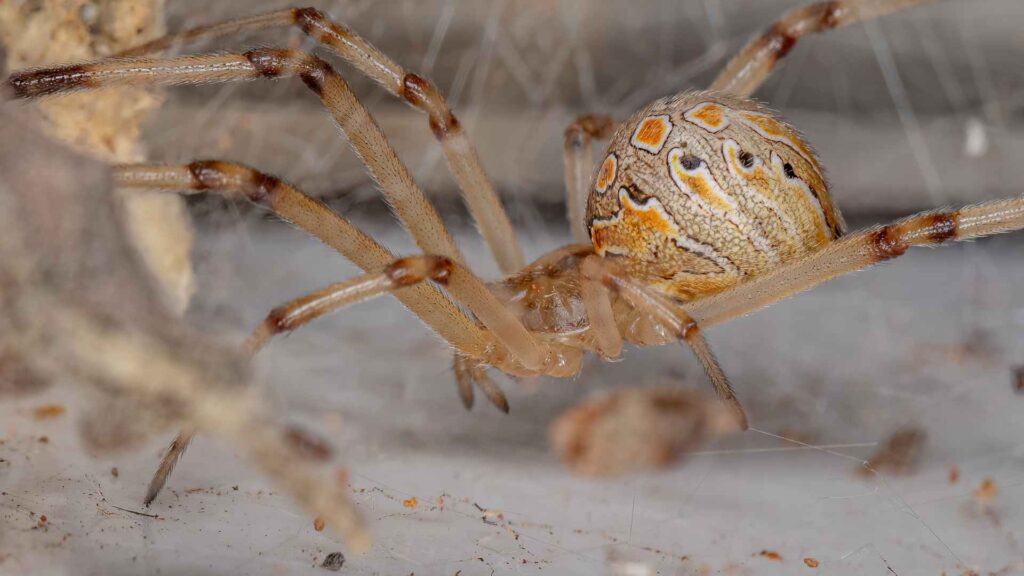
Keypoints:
(706, 206)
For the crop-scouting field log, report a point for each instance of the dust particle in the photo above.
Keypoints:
(899, 454)
(1018, 380)
(47, 411)
(954, 474)
(44, 439)
(770, 555)
(811, 562)
(410, 502)
(318, 524)
(114, 472)
(334, 561)
(985, 493)
(307, 445)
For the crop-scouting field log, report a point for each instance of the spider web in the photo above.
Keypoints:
(916, 111)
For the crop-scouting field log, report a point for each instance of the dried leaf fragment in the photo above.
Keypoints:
(637, 429)
(898, 455)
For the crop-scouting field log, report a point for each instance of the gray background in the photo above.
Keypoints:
(927, 341)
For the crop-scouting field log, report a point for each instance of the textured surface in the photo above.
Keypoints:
(842, 366)
(921, 108)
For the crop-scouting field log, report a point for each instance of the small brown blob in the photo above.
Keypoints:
(898, 455)
(770, 555)
(410, 502)
(48, 411)
(334, 561)
(44, 439)
(307, 445)
(986, 492)
(954, 474)
(1018, 379)
(318, 524)
(811, 562)
(637, 429)
(114, 472)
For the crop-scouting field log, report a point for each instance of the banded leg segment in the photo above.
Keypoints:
(857, 251)
(312, 216)
(364, 135)
(470, 374)
(460, 154)
(674, 318)
(578, 159)
(745, 73)
(461, 284)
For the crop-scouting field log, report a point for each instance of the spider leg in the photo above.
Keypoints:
(462, 285)
(316, 219)
(364, 135)
(856, 251)
(174, 453)
(462, 158)
(749, 68)
(579, 168)
(470, 373)
(598, 304)
(674, 317)
(403, 276)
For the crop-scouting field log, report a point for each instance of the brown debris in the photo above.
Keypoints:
(334, 561)
(770, 555)
(47, 411)
(898, 455)
(307, 445)
(811, 562)
(986, 492)
(637, 429)
(318, 524)
(1018, 379)
(954, 474)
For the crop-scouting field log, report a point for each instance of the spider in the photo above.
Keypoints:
(706, 206)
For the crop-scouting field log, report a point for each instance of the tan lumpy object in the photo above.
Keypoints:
(106, 124)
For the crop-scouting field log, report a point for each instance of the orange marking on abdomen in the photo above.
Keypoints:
(699, 182)
(708, 115)
(606, 175)
(775, 131)
(640, 226)
(652, 132)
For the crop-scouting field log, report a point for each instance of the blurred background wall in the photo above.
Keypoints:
(920, 109)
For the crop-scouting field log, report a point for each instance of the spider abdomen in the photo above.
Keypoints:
(701, 190)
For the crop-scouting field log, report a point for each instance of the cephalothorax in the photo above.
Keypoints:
(705, 206)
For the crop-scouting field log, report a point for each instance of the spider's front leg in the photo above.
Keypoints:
(463, 161)
(856, 251)
(578, 162)
(664, 312)
(745, 73)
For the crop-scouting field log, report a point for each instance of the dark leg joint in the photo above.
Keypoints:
(942, 227)
(213, 175)
(780, 40)
(887, 242)
(415, 269)
(277, 322)
(689, 330)
(419, 92)
(828, 14)
(308, 19)
(36, 83)
(267, 62)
